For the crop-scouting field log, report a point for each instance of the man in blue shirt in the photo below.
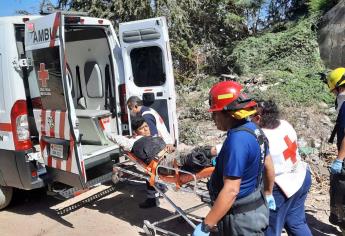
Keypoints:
(239, 206)
(157, 128)
(336, 83)
(153, 119)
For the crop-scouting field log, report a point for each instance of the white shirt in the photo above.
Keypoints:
(125, 142)
(290, 171)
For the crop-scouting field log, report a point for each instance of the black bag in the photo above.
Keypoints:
(197, 160)
(147, 148)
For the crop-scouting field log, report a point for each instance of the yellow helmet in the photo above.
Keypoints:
(336, 78)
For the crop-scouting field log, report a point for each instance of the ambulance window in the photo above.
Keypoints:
(147, 66)
(48, 76)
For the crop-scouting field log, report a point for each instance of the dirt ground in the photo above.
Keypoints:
(31, 213)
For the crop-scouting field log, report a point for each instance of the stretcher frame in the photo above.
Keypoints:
(142, 171)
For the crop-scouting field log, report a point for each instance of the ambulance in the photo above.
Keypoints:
(64, 82)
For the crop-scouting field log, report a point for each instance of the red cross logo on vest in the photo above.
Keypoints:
(43, 75)
(290, 151)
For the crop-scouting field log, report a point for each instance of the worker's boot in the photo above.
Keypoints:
(149, 203)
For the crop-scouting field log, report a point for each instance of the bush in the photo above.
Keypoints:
(320, 5)
(289, 61)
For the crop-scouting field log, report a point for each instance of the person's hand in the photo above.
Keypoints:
(271, 202)
(336, 166)
(199, 232)
(170, 148)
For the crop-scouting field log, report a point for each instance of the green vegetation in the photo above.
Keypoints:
(289, 61)
(275, 38)
(319, 5)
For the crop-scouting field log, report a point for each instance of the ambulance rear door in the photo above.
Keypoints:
(50, 90)
(148, 67)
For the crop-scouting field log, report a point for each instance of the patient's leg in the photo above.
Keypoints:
(168, 161)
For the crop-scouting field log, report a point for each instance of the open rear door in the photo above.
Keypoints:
(148, 67)
(50, 90)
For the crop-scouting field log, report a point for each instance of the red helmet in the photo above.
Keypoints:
(227, 96)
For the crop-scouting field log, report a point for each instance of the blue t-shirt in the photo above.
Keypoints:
(341, 125)
(150, 120)
(239, 157)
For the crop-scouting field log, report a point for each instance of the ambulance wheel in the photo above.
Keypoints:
(148, 229)
(6, 194)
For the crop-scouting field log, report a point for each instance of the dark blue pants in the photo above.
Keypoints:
(290, 213)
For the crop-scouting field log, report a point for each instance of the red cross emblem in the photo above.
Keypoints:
(43, 75)
(290, 151)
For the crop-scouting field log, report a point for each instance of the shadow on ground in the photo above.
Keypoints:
(319, 228)
(35, 201)
(124, 206)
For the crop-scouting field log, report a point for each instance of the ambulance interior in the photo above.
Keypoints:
(91, 76)
(89, 66)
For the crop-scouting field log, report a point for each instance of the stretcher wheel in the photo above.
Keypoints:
(115, 177)
(149, 228)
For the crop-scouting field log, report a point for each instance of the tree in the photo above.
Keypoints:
(196, 27)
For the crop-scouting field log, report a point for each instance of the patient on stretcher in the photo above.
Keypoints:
(147, 148)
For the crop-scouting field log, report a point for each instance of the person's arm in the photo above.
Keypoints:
(123, 141)
(341, 152)
(224, 201)
(269, 175)
(337, 164)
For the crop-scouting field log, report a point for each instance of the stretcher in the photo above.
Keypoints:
(181, 180)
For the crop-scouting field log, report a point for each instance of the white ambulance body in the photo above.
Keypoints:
(64, 82)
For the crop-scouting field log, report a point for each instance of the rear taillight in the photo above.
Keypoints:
(124, 113)
(20, 126)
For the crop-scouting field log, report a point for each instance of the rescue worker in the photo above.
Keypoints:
(157, 128)
(336, 84)
(292, 176)
(239, 206)
(153, 119)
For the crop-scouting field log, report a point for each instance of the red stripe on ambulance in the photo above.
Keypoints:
(43, 122)
(62, 125)
(6, 127)
(55, 28)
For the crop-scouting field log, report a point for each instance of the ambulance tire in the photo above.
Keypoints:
(6, 194)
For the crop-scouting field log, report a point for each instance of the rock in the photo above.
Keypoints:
(326, 120)
(302, 143)
(323, 105)
(263, 88)
(316, 143)
(229, 77)
(323, 170)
